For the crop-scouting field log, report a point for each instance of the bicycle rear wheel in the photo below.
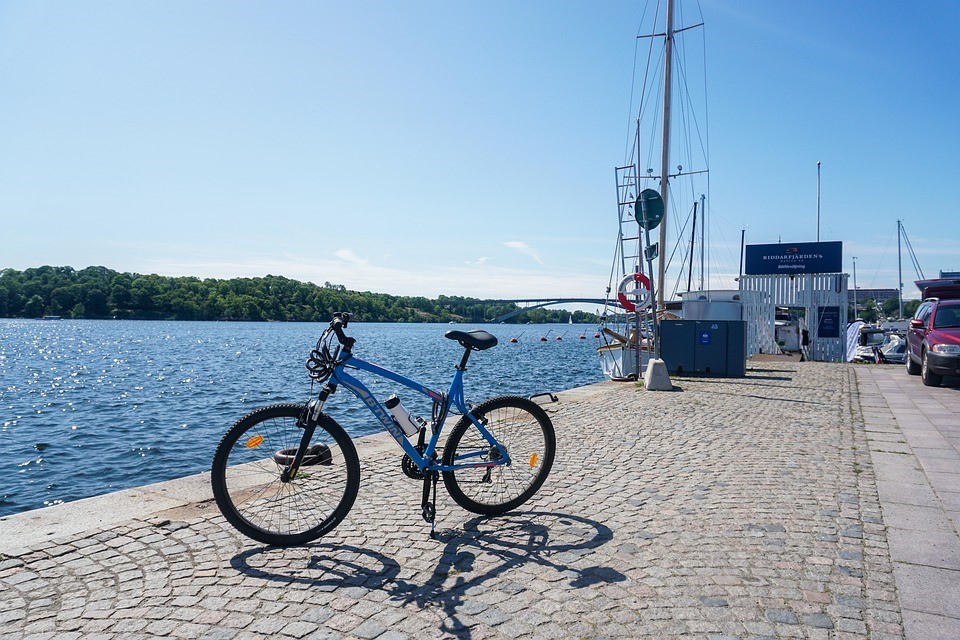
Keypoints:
(247, 484)
(525, 430)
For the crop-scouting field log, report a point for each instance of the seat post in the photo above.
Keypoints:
(463, 361)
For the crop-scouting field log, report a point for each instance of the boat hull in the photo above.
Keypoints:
(619, 362)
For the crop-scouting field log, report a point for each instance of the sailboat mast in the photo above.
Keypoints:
(899, 273)
(693, 243)
(703, 228)
(665, 152)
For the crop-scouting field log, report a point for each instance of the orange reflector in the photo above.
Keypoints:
(533, 460)
(255, 441)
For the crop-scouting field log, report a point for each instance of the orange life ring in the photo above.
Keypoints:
(639, 288)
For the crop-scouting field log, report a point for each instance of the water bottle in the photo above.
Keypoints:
(409, 424)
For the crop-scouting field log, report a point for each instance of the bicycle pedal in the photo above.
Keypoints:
(429, 513)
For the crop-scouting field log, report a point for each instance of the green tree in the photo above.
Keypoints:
(64, 296)
(95, 303)
(891, 307)
(120, 296)
(910, 308)
(53, 309)
(34, 307)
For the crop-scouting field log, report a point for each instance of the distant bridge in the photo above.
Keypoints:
(537, 303)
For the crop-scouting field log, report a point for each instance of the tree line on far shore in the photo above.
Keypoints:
(869, 311)
(100, 293)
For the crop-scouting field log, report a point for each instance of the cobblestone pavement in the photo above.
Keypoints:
(742, 508)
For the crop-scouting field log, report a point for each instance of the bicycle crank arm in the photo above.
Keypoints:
(428, 507)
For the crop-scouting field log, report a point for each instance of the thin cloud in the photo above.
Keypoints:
(348, 255)
(525, 249)
(479, 262)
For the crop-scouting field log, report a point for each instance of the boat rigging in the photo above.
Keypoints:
(647, 202)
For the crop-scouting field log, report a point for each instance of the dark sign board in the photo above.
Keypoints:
(828, 325)
(803, 257)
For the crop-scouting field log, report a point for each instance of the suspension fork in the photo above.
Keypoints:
(308, 422)
(291, 472)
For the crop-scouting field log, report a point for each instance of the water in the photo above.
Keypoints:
(88, 407)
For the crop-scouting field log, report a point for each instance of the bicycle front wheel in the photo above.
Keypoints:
(525, 430)
(253, 496)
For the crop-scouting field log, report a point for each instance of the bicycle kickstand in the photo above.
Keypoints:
(428, 507)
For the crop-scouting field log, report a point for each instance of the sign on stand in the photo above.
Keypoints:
(792, 259)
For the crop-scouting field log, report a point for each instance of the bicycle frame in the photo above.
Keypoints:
(454, 397)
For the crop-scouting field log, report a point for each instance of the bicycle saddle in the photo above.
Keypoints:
(477, 339)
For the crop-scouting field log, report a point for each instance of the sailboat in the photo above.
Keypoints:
(649, 203)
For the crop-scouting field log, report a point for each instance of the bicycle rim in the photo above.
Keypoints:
(247, 483)
(525, 430)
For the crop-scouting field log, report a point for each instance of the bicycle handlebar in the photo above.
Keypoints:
(340, 321)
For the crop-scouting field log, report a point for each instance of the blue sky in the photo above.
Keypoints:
(427, 148)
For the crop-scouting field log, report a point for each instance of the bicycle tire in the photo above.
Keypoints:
(246, 480)
(526, 431)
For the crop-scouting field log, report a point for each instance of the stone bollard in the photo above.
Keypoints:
(656, 377)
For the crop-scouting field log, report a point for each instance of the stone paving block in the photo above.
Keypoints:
(931, 548)
(942, 482)
(916, 494)
(927, 626)
(891, 447)
(297, 629)
(940, 464)
(928, 589)
(926, 453)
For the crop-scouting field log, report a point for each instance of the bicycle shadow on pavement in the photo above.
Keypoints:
(327, 566)
(486, 549)
(489, 547)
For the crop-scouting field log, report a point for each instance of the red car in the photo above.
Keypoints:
(933, 339)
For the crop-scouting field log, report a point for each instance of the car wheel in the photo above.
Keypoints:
(913, 368)
(929, 378)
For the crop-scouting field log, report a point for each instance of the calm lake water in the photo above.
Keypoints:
(88, 407)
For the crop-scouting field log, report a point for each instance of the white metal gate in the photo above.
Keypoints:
(822, 295)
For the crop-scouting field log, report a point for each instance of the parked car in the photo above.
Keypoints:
(933, 339)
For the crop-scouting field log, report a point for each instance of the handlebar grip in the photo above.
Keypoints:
(338, 324)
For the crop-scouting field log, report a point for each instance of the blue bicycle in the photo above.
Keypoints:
(288, 473)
